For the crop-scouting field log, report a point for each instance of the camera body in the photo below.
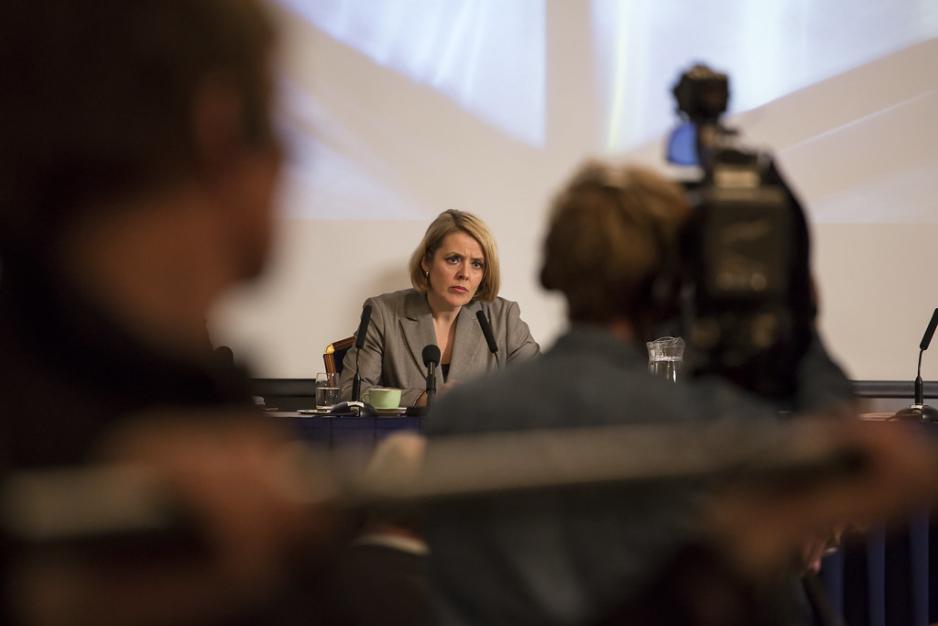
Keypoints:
(746, 301)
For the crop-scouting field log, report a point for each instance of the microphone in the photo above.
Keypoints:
(359, 344)
(431, 358)
(929, 332)
(919, 410)
(487, 331)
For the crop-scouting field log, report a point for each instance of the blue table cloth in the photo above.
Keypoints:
(339, 432)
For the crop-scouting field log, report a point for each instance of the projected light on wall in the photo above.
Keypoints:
(394, 110)
(770, 48)
(429, 89)
(859, 144)
(487, 55)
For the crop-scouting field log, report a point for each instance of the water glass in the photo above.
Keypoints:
(665, 357)
(327, 390)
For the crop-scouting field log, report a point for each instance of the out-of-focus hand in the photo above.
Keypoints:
(237, 480)
(763, 527)
(816, 547)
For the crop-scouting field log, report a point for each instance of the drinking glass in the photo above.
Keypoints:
(327, 390)
(665, 357)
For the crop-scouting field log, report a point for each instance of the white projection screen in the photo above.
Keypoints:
(394, 110)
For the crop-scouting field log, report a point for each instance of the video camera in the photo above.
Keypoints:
(747, 302)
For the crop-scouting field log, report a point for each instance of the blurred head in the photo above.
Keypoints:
(457, 260)
(612, 235)
(110, 101)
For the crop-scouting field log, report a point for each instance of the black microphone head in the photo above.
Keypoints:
(431, 354)
(929, 332)
(487, 331)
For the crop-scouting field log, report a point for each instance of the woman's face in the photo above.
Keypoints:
(456, 271)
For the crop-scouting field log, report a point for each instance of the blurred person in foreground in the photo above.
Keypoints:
(137, 169)
(381, 574)
(573, 558)
(455, 274)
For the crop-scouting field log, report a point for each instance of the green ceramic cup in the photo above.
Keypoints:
(382, 397)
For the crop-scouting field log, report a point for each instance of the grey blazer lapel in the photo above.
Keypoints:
(468, 343)
(417, 326)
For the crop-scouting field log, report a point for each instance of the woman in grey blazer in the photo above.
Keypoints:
(455, 274)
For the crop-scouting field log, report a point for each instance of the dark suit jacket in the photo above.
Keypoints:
(568, 558)
(382, 585)
(402, 325)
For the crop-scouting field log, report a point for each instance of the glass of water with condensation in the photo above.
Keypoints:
(665, 356)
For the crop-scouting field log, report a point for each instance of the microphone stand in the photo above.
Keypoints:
(359, 344)
(357, 382)
(919, 411)
(486, 326)
(431, 384)
(431, 358)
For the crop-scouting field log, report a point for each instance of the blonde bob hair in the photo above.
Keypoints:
(613, 232)
(452, 221)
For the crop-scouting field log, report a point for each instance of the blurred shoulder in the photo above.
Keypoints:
(506, 399)
(466, 408)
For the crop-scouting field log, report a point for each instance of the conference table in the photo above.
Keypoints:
(880, 579)
(337, 433)
(887, 577)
